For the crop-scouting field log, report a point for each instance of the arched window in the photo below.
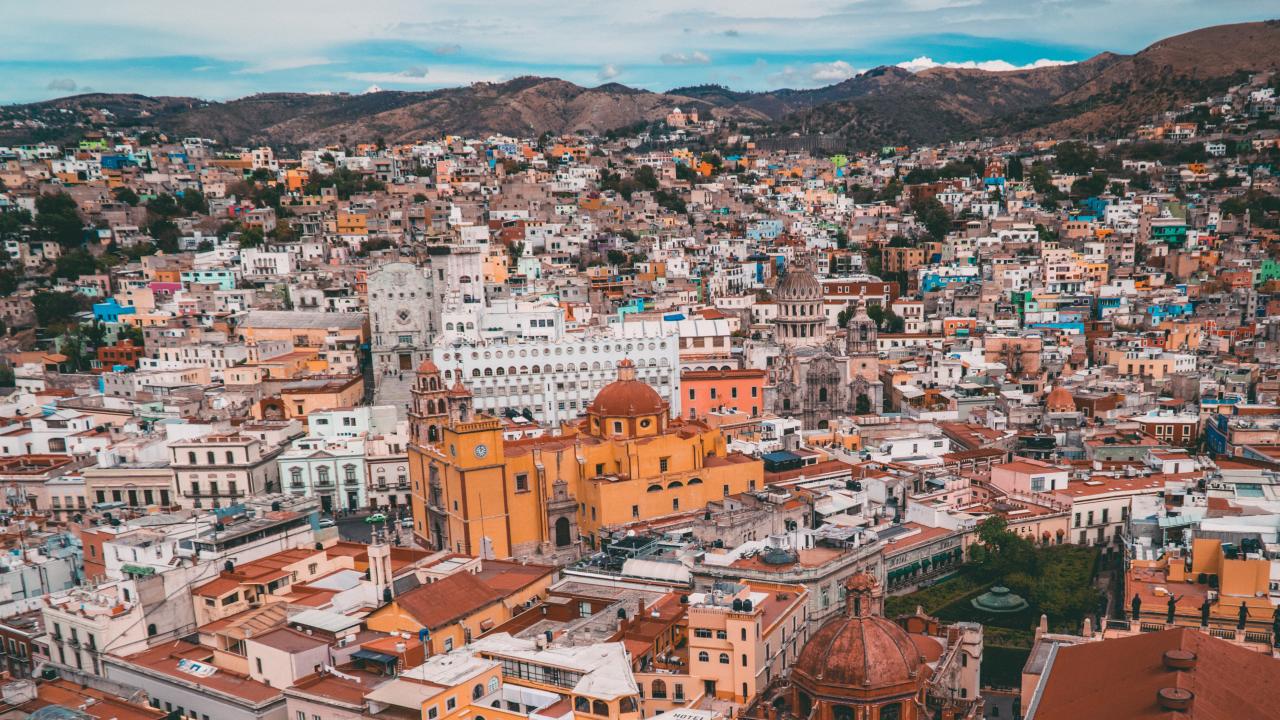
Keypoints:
(655, 488)
(806, 704)
(582, 705)
(493, 684)
(822, 394)
(674, 484)
(599, 707)
(724, 658)
(151, 630)
(704, 657)
(659, 690)
(627, 704)
(695, 481)
(842, 712)
(477, 692)
(892, 711)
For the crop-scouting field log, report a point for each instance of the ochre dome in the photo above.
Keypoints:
(1060, 400)
(859, 653)
(627, 396)
(427, 367)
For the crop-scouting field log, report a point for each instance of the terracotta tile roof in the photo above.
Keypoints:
(447, 600)
(1120, 679)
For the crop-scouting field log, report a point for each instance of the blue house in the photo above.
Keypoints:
(110, 311)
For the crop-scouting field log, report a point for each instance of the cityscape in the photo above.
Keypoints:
(933, 379)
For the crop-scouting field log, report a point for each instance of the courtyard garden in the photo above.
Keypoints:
(1053, 580)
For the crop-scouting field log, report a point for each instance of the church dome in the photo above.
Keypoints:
(798, 284)
(1060, 401)
(860, 652)
(627, 396)
(427, 367)
(864, 653)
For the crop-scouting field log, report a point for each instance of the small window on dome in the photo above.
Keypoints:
(645, 423)
(617, 426)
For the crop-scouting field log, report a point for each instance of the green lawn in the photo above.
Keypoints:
(1056, 581)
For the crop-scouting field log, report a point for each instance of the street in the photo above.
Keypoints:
(353, 528)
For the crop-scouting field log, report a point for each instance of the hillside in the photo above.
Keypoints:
(886, 105)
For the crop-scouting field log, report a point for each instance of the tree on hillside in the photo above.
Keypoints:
(58, 219)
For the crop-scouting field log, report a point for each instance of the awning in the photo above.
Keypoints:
(373, 656)
(137, 570)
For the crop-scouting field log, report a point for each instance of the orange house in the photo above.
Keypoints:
(707, 390)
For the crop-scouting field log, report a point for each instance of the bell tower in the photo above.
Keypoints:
(428, 405)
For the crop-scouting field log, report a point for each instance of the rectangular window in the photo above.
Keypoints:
(522, 482)
(664, 464)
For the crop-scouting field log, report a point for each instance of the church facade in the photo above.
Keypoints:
(812, 375)
(400, 329)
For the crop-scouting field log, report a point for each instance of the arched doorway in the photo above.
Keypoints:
(562, 532)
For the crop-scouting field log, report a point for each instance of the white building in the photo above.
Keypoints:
(556, 381)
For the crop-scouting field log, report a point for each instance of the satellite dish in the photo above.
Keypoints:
(631, 533)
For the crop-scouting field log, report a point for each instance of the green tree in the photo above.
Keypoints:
(618, 257)
(1041, 178)
(1075, 157)
(132, 333)
(1013, 169)
(193, 201)
(58, 309)
(936, 218)
(1089, 186)
(127, 196)
(8, 282)
(646, 177)
(75, 263)
(164, 205)
(58, 219)
(893, 323)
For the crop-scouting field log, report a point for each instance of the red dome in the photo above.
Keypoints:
(427, 367)
(1060, 400)
(859, 653)
(627, 396)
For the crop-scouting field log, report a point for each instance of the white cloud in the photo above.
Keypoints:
(609, 71)
(832, 71)
(419, 77)
(284, 63)
(452, 49)
(924, 62)
(697, 57)
(825, 73)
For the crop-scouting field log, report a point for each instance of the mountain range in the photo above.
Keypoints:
(886, 105)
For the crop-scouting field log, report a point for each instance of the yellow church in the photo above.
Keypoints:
(548, 498)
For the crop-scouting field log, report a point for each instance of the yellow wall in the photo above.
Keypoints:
(612, 484)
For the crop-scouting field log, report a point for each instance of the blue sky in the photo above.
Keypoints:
(233, 48)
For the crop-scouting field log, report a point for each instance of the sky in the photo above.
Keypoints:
(223, 49)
